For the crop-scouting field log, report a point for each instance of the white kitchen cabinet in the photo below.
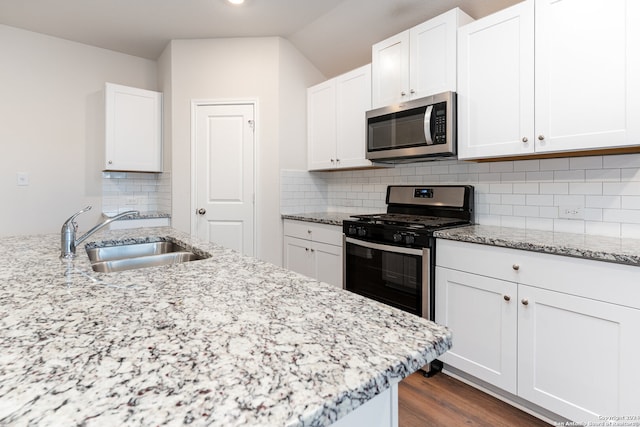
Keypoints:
(133, 129)
(418, 62)
(549, 76)
(336, 121)
(314, 250)
(495, 84)
(578, 320)
(483, 322)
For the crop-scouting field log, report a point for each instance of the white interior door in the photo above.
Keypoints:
(224, 187)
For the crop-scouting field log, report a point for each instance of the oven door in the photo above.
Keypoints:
(393, 275)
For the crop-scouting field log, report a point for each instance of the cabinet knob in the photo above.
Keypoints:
(525, 301)
(525, 139)
(306, 249)
(541, 137)
(507, 298)
(403, 93)
(313, 250)
(516, 267)
(332, 160)
(110, 162)
(201, 211)
(337, 160)
(309, 231)
(412, 91)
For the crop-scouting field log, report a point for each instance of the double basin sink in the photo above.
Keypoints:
(128, 256)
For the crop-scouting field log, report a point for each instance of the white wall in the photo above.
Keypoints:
(51, 113)
(266, 69)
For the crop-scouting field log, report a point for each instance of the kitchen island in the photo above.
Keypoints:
(228, 340)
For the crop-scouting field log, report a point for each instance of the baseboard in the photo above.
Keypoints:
(511, 399)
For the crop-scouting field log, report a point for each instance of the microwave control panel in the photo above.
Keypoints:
(439, 123)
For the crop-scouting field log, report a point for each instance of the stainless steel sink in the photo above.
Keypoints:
(122, 257)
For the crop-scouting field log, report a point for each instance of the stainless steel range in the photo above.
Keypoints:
(390, 257)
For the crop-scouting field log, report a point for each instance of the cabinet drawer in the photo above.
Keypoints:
(323, 233)
(599, 280)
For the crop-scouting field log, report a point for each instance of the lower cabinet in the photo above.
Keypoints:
(314, 250)
(559, 332)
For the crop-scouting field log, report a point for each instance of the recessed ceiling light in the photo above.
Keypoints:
(236, 2)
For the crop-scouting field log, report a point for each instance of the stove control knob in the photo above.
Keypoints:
(397, 237)
(352, 230)
(362, 231)
(409, 239)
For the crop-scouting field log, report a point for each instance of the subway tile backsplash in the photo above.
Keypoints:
(532, 194)
(146, 192)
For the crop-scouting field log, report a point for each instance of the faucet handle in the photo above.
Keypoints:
(73, 217)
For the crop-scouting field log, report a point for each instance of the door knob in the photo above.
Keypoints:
(201, 211)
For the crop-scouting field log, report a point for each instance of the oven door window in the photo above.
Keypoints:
(390, 277)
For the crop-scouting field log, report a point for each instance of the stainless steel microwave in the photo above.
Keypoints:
(419, 129)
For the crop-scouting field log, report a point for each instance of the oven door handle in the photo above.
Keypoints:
(386, 248)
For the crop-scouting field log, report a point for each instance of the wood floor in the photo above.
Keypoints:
(444, 401)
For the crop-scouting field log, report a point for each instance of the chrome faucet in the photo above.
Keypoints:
(70, 226)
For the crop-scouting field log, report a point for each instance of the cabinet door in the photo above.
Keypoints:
(390, 70)
(298, 256)
(482, 315)
(584, 71)
(354, 99)
(577, 356)
(496, 84)
(432, 63)
(328, 263)
(133, 129)
(321, 125)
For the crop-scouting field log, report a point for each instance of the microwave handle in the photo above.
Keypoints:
(427, 125)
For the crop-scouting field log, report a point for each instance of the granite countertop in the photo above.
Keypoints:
(330, 218)
(142, 215)
(600, 248)
(228, 340)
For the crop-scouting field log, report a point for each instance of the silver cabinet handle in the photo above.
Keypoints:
(541, 137)
(201, 211)
(525, 301)
(507, 298)
(525, 139)
(403, 93)
(516, 267)
(427, 125)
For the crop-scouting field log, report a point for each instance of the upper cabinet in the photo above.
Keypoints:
(418, 62)
(133, 126)
(549, 76)
(336, 121)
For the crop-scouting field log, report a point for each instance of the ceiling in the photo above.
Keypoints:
(335, 35)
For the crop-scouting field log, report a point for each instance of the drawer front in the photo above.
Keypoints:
(599, 280)
(477, 259)
(323, 233)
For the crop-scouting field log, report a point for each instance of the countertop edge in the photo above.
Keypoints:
(619, 251)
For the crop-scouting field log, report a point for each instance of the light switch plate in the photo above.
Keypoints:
(22, 179)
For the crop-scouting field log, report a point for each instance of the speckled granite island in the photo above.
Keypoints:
(228, 340)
